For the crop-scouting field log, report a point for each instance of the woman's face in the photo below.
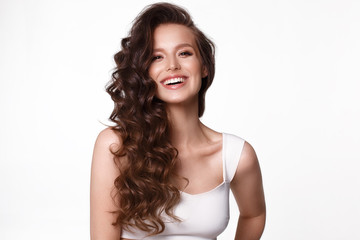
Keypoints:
(176, 65)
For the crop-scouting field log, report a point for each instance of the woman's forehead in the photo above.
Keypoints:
(171, 35)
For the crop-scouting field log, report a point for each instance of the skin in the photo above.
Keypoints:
(200, 148)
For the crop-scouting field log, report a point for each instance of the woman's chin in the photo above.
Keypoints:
(179, 100)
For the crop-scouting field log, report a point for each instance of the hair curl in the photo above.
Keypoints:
(144, 188)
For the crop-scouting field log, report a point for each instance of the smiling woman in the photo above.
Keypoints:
(176, 64)
(159, 172)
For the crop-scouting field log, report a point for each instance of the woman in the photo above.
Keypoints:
(160, 173)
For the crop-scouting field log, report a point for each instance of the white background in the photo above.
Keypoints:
(287, 80)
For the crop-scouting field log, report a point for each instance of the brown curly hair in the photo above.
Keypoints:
(145, 186)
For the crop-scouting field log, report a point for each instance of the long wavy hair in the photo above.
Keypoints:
(146, 159)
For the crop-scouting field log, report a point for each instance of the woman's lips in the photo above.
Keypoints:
(174, 83)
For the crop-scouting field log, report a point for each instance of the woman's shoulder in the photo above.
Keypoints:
(108, 136)
(247, 161)
(247, 150)
(109, 139)
(107, 142)
(233, 137)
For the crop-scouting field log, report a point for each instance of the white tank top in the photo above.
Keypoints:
(204, 216)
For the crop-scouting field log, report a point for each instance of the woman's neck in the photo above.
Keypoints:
(185, 126)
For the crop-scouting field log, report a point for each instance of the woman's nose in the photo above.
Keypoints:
(173, 64)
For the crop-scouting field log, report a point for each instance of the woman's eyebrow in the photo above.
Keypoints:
(176, 47)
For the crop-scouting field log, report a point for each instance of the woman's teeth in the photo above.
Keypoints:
(173, 81)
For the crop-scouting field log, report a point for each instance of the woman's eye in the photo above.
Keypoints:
(156, 58)
(185, 53)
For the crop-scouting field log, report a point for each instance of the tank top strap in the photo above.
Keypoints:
(232, 148)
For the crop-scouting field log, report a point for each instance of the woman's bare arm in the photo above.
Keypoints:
(249, 194)
(103, 174)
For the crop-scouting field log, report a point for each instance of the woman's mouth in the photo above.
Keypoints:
(174, 83)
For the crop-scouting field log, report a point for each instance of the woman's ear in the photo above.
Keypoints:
(204, 72)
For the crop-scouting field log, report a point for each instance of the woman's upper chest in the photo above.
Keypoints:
(201, 166)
